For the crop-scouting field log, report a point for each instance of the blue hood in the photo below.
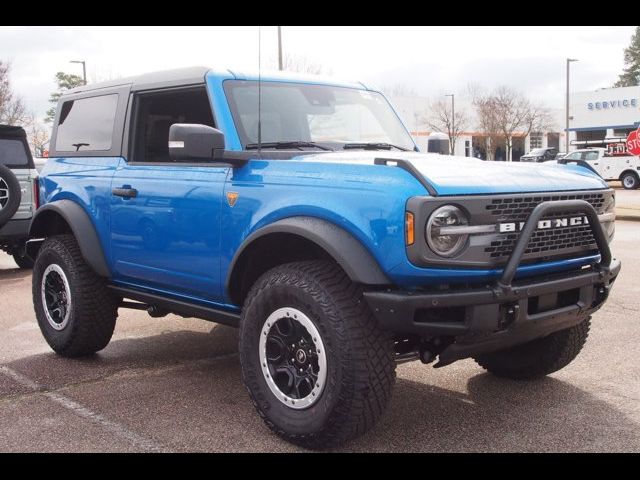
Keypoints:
(453, 175)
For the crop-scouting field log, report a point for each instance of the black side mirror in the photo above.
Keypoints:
(191, 141)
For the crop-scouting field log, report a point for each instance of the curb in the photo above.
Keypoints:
(631, 218)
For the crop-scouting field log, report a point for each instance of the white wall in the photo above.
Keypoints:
(607, 107)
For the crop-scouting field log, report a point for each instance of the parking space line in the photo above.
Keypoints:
(118, 429)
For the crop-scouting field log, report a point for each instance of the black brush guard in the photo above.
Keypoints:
(508, 312)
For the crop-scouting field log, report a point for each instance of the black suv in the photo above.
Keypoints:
(540, 155)
(18, 193)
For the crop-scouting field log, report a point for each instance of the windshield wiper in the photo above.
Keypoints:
(284, 145)
(373, 146)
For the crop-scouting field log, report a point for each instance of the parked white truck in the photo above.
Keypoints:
(610, 167)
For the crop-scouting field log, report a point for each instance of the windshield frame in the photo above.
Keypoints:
(244, 139)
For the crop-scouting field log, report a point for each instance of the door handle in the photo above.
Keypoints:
(125, 192)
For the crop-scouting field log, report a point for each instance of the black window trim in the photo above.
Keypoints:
(118, 124)
(130, 125)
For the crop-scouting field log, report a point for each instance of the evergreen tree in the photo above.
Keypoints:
(65, 81)
(631, 75)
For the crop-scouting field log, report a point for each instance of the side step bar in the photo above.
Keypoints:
(177, 306)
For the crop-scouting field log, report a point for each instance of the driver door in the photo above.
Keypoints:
(165, 215)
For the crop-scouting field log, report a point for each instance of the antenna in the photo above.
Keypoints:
(259, 91)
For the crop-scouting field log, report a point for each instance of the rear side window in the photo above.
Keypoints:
(12, 153)
(86, 124)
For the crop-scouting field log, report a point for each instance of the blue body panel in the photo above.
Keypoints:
(179, 236)
(170, 233)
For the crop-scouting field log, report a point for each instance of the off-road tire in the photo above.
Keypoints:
(360, 355)
(539, 357)
(11, 207)
(94, 308)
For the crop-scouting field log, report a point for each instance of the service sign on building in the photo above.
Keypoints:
(606, 109)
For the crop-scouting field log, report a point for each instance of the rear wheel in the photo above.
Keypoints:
(318, 368)
(539, 357)
(75, 310)
(630, 181)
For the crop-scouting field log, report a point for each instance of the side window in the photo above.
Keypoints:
(86, 124)
(590, 156)
(574, 156)
(154, 113)
(12, 153)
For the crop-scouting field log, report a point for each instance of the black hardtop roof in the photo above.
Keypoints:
(165, 78)
(12, 131)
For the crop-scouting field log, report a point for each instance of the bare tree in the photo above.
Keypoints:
(38, 136)
(12, 108)
(488, 122)
(398, 90)
(302, 64)
(505, 112)
(440, 118)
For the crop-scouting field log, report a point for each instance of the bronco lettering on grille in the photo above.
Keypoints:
(545, 224)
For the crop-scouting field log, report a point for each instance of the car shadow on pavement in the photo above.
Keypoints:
(145, 378)
(16, 274)
(548, 415)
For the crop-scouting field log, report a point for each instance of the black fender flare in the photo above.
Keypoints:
(344, 248)
(81, 227)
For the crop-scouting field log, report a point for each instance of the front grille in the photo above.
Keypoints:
(518, 209)
(543, 242)
(546, 241)
(493, 248)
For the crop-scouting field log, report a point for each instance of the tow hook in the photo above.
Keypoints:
(601, 295)
(427, 356)
(157, 312)
(509, 314)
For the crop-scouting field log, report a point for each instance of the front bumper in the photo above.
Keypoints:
(506, 313)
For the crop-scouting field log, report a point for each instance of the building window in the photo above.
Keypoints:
(622, 132)
(467, 148)
(590, 135)
(553, 140)
(535, 140)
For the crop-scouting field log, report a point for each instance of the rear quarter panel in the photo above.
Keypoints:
(86, 181)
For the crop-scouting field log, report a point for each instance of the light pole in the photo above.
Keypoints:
(84, 69)
(566, 132)
(279, 48)
(452, 141)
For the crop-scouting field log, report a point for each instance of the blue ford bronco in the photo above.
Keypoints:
(300, 210)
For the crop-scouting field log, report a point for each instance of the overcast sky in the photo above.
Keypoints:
(429, 60)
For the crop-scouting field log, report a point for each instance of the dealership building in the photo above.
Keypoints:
(609, 113)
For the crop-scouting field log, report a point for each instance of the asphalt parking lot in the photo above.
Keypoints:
(174, 384)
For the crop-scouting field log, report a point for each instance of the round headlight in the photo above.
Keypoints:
(440, 238)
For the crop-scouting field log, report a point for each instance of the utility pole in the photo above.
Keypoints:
(452, 141)
(280, 48)
(566, 131)
(84, 69)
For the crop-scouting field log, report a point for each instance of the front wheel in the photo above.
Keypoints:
(318, 368)
(630, 181)
(75, 310)
(539, 357)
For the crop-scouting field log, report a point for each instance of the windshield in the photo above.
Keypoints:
(538, 151)
(323, 114)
